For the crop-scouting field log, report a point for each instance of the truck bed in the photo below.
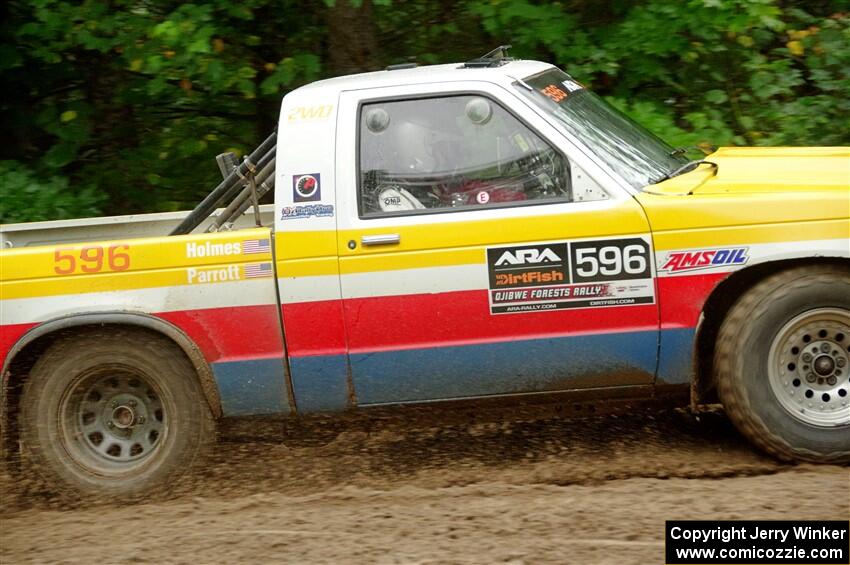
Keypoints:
(110, 228)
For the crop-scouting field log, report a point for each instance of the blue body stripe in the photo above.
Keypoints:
(252, 387)
(676, 356)
(549, 364)
(320, 383)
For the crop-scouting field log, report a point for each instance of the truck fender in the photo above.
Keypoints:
(720, 300)
(132, 319)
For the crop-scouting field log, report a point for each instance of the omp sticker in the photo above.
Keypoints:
(579, 274)
(679, 261)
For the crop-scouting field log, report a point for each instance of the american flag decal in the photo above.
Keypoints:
(258, 270)
(254, 246)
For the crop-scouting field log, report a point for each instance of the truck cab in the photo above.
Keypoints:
(487, 230)
(419, 260)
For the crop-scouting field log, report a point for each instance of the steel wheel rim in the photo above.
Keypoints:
(113, 421)
(809, 367)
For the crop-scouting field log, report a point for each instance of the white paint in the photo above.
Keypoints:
(147, 300)
(762, 253)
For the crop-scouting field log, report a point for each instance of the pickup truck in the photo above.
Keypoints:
(441, 234)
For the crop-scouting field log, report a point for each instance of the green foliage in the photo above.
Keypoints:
(27, 197)
(131, 100)
(735, 71)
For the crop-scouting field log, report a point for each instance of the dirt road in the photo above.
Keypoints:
(538, 491)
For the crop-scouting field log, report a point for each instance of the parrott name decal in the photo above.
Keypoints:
(580, 274)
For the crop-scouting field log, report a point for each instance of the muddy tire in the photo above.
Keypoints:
(782, 363)
(113, 413)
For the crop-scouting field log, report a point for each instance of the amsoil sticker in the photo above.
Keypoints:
(580, 274)
(682, 261)
(306, 188)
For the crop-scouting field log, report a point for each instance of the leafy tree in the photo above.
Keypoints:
(118, 106)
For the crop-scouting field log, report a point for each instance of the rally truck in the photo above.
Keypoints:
(489, 230)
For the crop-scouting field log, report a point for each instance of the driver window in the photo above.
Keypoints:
(455, 152)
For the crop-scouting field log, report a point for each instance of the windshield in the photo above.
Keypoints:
(628, 148)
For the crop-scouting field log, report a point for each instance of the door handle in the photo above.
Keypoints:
(383, 239)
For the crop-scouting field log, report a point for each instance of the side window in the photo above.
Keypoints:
(462, 152)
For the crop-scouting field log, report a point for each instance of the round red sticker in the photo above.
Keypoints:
(482, 197)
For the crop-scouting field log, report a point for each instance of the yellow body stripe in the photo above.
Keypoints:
(681, 222)
(153, 262)
(676, 222)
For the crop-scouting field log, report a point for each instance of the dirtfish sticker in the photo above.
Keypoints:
(574, 274)
(306, 211)
(306, 188)
(680, 261)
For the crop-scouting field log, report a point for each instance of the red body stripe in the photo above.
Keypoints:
(445, 319)
(9, 335)
(682, 298)
(314, 328)
(411, 321)
(231, 334)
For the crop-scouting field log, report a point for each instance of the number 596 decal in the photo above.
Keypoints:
(91, 259)
(617, 259)
(570, 274)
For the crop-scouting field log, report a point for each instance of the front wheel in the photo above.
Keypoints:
(115, 414)
(782, 364)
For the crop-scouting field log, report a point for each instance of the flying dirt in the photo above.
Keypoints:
(541, 489)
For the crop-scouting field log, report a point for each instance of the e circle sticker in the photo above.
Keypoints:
(482, 197)
(306, 188)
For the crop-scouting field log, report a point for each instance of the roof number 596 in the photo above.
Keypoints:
(91, 259)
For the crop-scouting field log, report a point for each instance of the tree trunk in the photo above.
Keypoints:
(352, 45)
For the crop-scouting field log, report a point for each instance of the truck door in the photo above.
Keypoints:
(480, 254)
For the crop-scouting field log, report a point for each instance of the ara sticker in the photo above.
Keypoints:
(569, 274)
(306, 188)
(306, 211)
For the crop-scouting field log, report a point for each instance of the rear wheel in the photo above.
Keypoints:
(119, 414)
(782, 364)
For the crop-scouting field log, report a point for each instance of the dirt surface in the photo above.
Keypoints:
(545, 490)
